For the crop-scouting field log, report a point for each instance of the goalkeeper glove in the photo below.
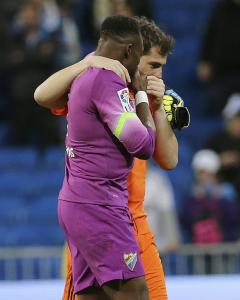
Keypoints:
(177, 114)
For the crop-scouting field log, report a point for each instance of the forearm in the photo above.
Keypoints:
(148, 139)
(139, 140)
(51, 93)
(145, 116)
(166, 148)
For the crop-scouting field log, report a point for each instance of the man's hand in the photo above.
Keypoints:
(108, 64)
(155, 90)
(155, 86)
(177, 114)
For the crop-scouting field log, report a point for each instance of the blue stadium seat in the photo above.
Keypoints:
(181, 179)
(17, 183)
(18, 158)
(194, 98)
(13, 210)
(176, 4)
(26, 235)
(39, 235)
(30, 184)
(185, 22)
(200, 129)
(4, 131)
(182, 21)
(26, 224)
(6, 238)
(47, 181)
(185, 153)
(43, 211)
(54, 158)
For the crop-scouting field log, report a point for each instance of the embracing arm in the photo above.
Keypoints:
(52, 93)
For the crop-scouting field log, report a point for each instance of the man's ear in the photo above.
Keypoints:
(128, 51)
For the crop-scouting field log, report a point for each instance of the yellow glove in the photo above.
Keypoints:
(177, 114)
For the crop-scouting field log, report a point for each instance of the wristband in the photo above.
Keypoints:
(141, 97)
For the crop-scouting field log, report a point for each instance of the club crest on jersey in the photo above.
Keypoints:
(130, 260)
(70, 152)
(124, 99)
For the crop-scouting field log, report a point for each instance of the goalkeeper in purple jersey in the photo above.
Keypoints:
(104, 134)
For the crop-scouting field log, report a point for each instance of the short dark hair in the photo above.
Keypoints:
(153, 36)
(116, 27)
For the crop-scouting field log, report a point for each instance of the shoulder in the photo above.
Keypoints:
(106, 83)
(106, 77)
(86, 79)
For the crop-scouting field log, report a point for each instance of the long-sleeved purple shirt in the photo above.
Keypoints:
(104, 134)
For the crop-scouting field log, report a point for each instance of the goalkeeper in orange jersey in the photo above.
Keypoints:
(172, 114)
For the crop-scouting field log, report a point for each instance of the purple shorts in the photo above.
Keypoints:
(102, 243)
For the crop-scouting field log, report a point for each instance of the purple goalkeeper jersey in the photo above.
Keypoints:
(103, 135)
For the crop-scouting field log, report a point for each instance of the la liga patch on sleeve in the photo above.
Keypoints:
(125, 99)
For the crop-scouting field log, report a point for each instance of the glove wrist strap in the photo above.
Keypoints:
(141, 97)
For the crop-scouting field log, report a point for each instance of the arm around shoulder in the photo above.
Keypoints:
(52, 93)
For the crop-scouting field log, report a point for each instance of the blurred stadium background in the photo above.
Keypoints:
(32, 153)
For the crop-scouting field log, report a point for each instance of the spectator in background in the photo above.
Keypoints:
(133, 7)
(130, 8)
(219, 64)
(91, 14)
(70, 53)
(55, 18)
(210, 212)
(30, 59)
(7, 11)
(160, 206)
(227, 143)
(48, 13)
